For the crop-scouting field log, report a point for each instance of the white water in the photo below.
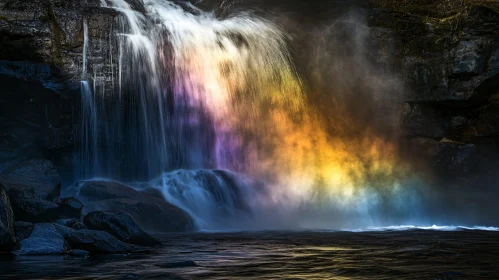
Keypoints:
(433, 227)
(179, 75)
(215, 199)
(179, 71)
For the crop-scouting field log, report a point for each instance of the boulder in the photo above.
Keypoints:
(44, 240)
(7, 236)
(71, 223)
(149, 209)
(23, 230)
(70, 207)
(38, 210)
(33, 179)
(95, 242)
(120, 225)
(34, 210)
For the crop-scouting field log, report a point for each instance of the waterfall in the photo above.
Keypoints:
(184, 79)
(215, 199)
(185, 91)
(85, 49)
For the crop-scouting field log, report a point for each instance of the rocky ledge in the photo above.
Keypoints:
(36, 220)
(447, 55)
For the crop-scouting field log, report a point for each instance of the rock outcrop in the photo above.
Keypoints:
(34, 210)
(41, 52)
(95, 242)
(120, 225)
(447, 55)
(32, 179)
(149, 209)
(34, 220)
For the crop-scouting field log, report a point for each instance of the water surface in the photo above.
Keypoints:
(392, 254)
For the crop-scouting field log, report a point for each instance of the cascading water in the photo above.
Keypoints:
(192, 91)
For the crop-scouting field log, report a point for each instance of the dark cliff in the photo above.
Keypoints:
(41, 47)
(447, 53)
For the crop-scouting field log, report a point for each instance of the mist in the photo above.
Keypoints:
(300, 100)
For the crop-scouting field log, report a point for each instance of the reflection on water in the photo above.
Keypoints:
(411, 254)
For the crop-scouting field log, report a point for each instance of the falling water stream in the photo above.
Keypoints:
(191, 99)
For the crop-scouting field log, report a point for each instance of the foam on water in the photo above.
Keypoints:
(433, 227)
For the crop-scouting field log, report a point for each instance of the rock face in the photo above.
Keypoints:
(7, 236)
(40, 69)
(32, 179)
(33, 188)
(120, 225)
(44, 240)
(447, 54)
(149, 210)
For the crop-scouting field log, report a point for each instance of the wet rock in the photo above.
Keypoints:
(44, 240)
(34, 210)
(71, 223)
(137, 5)
(149, 210)
(79, 253)
(33, 179)
(437, 62)
(7, 236)
(120, 225)
(23, 230)
(41, 211)
(178, 264)
(468, 58)
(41, 45)
(95, 242)
(70, 207)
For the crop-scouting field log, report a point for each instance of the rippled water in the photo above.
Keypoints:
(409, 254)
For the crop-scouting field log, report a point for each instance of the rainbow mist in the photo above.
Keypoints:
(188, 94)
